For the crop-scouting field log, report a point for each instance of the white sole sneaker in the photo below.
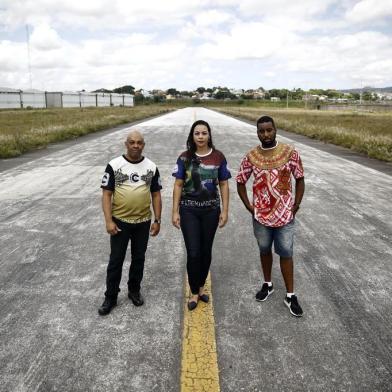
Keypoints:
(269, 293)
(288, 305)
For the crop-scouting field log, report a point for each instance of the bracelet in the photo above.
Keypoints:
(157, 221)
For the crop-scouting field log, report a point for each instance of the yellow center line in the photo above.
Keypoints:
(199, 362)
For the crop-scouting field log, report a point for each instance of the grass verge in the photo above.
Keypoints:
(26, 130)
(367, 133)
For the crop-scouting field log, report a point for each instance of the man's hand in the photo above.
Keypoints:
(154, 230)
(223, 217)
(112, 228)
(251, 209)
(176, 219)
(241, 189)
(295, 209)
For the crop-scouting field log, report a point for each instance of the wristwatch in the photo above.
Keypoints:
(157, 221)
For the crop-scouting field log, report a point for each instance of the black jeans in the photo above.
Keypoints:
(198, 228)
(138, 233)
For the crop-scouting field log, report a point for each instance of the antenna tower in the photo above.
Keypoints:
(28, 55)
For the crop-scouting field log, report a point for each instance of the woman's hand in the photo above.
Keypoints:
(223, 217)
(176, 219)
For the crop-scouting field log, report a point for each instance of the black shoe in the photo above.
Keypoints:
(204, 297)
(293, 305)
(192, 305)
(136, 298)
(265, 292)
(107, 306)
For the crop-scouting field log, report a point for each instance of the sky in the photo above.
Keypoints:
(155, 44)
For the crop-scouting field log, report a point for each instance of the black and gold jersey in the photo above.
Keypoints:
(131, 184)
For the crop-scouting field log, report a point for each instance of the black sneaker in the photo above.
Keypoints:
(107, 306)
(293, 305)
(136, 298)
(265, 292)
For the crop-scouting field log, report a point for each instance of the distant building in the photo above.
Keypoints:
(258, 94)
(384, 96)
(22, 99)
(158, 93)
(9, 90)
(146, 94)
(236, 92)
(342, 100)
(205, 96)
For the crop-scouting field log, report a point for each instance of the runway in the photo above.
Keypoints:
(54, 252)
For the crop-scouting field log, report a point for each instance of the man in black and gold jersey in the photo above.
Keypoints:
(131, 183)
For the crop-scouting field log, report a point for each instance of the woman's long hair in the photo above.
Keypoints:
(190, 143)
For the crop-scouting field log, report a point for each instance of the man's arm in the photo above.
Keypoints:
(156, 200)
(111, 227)
(299, 193)
(241, 189)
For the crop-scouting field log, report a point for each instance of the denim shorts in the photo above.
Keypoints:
(282, 237)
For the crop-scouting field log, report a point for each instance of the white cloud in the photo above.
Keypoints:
(370, 10)
(212, 18)
(154, 44)
(247, 40)
(44, 37)
(270, 74)
(12, 57)
(296, 9)
(97, 14)
(352, 57)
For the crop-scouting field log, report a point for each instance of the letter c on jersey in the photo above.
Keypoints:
(134, 177)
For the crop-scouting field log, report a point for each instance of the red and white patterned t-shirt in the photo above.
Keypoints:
(272, 189)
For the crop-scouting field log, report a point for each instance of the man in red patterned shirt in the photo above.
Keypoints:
(273, 164)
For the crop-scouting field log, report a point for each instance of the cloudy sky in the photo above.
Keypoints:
(89, 44)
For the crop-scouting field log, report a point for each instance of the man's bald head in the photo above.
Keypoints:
(134, 144)
(135, 135)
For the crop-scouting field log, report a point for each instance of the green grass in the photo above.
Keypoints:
(26, 130)
(367, 133)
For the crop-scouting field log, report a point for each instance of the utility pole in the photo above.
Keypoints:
(287, 99)
(28, 56)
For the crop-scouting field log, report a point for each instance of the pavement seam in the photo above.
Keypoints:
(199, 362)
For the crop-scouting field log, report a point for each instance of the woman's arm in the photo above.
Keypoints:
(177, 190)
(224, 191)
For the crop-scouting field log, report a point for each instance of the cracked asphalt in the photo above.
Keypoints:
(54, 252)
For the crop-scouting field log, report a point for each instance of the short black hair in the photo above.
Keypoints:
(265, 119)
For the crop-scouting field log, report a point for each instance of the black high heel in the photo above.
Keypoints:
(205, 298)
(192, 305)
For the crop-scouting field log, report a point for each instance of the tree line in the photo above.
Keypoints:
(219, 92)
